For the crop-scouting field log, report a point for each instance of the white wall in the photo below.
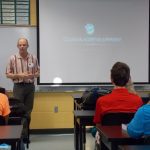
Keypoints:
(8, 46)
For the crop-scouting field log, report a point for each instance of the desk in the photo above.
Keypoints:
(77, 99)
(77, 96)
(145, 97)
(135, 147)
(113, 136)
(11, 134)
(82, 118)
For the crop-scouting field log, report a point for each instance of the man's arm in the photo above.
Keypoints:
(16, 76)
(37, 73)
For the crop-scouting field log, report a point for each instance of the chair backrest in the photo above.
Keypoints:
(14, 120)
(147, 139)
(18, 109)
(2, 90)
(117, 118)
(2, 120)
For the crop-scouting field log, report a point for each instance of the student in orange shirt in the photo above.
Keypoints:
(4, 106)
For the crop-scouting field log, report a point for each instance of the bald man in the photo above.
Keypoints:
(22, 69)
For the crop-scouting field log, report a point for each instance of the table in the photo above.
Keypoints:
(77, 96)
(77, 99)
(82, 118)
(11, 134)
(135, 147)
(113, 136)
(145, 97)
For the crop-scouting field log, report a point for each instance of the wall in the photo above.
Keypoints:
(8, 37)
(33, 12)
(52, 110)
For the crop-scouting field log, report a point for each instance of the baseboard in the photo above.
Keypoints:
(55, 131)
(52, 131)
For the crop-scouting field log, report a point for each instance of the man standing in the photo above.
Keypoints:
(23, 68)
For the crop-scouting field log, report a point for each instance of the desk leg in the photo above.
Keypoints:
(76, 135)
(84, 137)
(20, 145)
(13, 146)
(114, 146)
(82, 133)
(81, 137)
(102, 146)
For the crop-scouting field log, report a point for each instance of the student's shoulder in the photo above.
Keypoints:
(105, 98)
(135, 96)
(3, 97)
(140, 111)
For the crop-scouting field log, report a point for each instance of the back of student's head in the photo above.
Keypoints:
(120, 74)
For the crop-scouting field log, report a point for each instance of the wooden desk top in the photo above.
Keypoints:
(145, 97)
(116, 133)
(8, 132)
(84, 113)
(84, 117)
(77, 96)
(108, 131)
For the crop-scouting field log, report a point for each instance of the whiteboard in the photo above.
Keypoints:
(8, 39)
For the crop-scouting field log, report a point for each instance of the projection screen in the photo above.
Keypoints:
(80, 40)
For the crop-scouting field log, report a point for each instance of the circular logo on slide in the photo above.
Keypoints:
(89, 28)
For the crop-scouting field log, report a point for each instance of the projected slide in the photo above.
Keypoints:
(80, 40)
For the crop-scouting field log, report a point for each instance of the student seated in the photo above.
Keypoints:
(5, 111)
(140, 124)
(4, 107)
(120, 99)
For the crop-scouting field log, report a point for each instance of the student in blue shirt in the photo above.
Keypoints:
(140, 124)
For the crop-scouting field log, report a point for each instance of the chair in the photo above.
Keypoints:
(18, 116)
(147, 139)
(2, 90)
(117, 118)
(2, 120)
(114, 118)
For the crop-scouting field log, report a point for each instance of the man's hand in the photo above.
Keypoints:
(27, 75)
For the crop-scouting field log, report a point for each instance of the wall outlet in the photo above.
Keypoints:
(56, 109)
